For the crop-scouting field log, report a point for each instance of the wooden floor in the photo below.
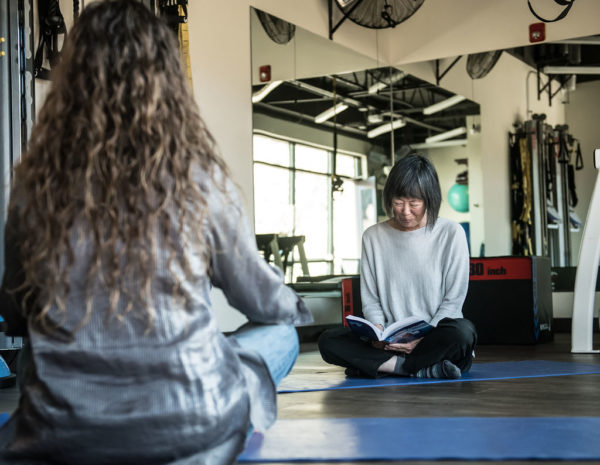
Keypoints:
(567, 396)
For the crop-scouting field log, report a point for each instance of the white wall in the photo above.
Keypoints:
(503, 99)
(306, 55)
(447, 169)
(312, 16)
(583, 118)
(444, 160)
(220, 59)
(476, 182)
(441, 28)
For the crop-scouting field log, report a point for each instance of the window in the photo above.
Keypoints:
(271, 151)
(311, 159)
(293, 196)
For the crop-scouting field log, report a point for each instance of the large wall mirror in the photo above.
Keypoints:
(328, 125)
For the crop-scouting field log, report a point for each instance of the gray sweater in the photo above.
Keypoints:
(180, 394)
(424, 272)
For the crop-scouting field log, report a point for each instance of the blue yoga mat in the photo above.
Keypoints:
(478, 372)
(4, 417)
(356, 439)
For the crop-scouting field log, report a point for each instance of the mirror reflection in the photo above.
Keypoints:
(323, 145)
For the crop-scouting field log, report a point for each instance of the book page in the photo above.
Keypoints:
(397, 325)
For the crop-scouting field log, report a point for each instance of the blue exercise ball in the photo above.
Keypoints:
(458, 197)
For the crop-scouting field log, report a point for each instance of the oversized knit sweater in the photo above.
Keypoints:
(424, 272)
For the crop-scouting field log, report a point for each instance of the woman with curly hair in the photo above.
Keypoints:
(122, 217)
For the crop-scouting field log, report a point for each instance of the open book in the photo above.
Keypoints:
(405, 330)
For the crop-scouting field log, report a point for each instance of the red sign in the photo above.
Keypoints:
(500, 268)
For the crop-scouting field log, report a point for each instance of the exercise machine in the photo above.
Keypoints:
(282, 250)
(17, 109)
(543, 190)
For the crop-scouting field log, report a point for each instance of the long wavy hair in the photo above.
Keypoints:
(111, 160)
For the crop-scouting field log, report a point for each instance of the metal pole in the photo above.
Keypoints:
(5, 120)
(392, 149)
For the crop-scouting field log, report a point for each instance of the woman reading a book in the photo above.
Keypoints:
(414, 264)
(122, 218)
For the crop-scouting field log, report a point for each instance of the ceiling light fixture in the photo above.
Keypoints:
(387, 127)
(571, 70)
(380, 85)
(264, 91)
(375, 118)
(446, 135)
(443, 104)
(444, 143)
(335, 110)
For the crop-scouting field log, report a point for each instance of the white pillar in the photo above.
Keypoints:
(587, 273)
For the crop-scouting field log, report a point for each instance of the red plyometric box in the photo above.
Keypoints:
(510, 299)
(351, 303)
(537, 32)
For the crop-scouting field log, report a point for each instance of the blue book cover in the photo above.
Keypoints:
(401, 331)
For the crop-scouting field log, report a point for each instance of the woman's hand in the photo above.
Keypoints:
(404, 347)
(379, 344)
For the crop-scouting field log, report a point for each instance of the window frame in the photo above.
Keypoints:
(360, 167)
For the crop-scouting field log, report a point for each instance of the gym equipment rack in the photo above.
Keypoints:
(542, 191)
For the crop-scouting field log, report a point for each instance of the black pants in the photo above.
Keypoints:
(452, 339)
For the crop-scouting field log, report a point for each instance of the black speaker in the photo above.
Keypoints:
(510, 299)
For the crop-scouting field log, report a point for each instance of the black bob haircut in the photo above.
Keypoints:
(415, 177)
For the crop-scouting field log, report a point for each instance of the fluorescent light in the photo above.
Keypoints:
(376, 87)
(446, 135)
(375, 118)
(444, 143)
(380, 85)
(322, 117)
(443, 104)
(263, 92)
(387, 127)
(571, 70)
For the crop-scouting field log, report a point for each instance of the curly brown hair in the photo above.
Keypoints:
(111, 160)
